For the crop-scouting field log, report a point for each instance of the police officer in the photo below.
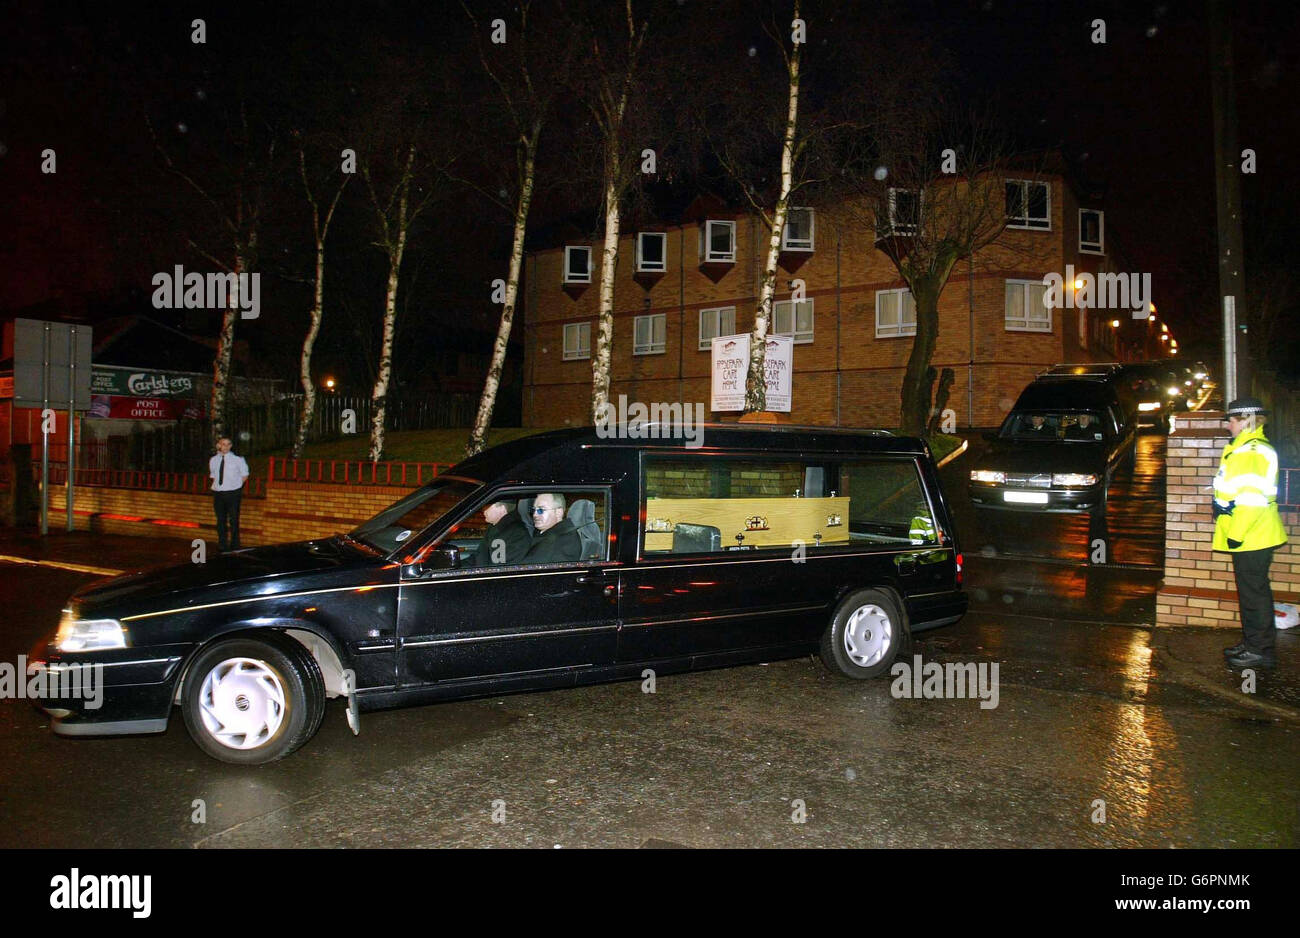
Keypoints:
(1248, 526)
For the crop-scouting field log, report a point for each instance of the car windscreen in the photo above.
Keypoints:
(1080, 426)
(413, 513)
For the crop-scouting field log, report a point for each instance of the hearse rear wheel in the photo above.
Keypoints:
(253, 700)
(865, 635)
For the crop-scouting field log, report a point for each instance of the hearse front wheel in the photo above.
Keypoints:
(252, 701)
(865, 635)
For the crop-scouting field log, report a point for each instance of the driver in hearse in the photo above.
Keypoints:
(557, 539)
(507, 538)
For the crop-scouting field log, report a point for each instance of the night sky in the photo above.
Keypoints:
(1133, 114)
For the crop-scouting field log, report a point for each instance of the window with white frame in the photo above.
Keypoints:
(577, 340)
(904, 211)
(1092, 231)
(716, 322)
(650, 334)
(895, 313)
(798, 234)
(651, 252)
(1026, 307)
(577, 264)
(1029, 204)
(793, 319)
(718, 242)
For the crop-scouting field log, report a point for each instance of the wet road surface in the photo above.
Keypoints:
(1086, 714)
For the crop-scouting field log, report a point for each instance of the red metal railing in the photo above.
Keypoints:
(353, 471)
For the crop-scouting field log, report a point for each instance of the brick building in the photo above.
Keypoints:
(678, 285)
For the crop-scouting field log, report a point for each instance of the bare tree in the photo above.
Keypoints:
(320, 229)
(930, 182)
(614, 78)
(236, 196)
(745, 134)
(393, 214)
(525, 73)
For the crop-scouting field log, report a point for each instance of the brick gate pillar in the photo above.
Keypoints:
(1198, 587)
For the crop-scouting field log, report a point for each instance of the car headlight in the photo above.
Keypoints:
(988, 475)
(1201, 376)
(88, 634)
(1149, 405)
(1073, 478)
(1175, 391)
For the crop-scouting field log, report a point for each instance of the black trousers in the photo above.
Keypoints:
(1258, 626)
(226, 505)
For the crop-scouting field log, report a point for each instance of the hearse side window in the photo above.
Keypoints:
(412, 514)
(585, 510)
(714, 504)
(887, 504)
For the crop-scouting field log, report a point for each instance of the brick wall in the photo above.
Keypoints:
(291, 511)
(1198, 588)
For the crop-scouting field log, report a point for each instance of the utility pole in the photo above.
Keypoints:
(1227, 187)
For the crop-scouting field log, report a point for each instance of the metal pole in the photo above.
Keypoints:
(45, 437)
(72, 404)
(1229, 349)
(1227, 185)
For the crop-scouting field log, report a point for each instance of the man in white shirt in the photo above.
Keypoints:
(228, 473)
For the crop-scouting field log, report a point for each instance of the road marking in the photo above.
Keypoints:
(62, 565)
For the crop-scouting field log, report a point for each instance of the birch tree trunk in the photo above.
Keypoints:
(486, 404)
(396, 247)
(600, 362)
(221, 362)
(308, 386)
(756, 380)
(320, 231)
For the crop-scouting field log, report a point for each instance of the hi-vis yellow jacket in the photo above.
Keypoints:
(1248, 477)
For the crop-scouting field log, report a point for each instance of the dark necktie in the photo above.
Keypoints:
(221, 471)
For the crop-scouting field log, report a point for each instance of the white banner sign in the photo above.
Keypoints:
(778, 363)
(731, 367)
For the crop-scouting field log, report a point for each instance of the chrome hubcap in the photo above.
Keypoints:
(242, 703)
(868, 635)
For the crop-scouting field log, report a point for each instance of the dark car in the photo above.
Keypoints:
(1110, 373)
(757, 544)
(1160, 390)
(1057, 450)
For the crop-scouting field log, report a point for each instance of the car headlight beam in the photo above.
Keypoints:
(88, 634)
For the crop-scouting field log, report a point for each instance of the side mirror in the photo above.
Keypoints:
(447, 557)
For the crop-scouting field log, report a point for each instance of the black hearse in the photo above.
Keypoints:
(1058, 448)
(755, 544)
